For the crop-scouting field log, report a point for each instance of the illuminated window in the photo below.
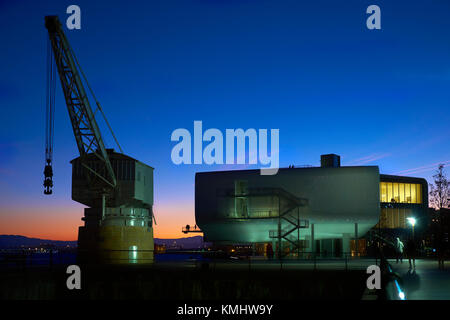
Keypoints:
(393, 218)
(419, 193)
(413, 194)
(400, 192)
(408, 192)
(383, 192)
(395, 192)
(389, 191)
(402, 217)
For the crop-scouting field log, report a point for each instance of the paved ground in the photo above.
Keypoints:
(426, 281)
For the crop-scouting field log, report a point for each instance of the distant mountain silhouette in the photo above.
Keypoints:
(15, 241)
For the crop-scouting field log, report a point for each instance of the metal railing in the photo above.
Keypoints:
(19, 258)
(213, 260)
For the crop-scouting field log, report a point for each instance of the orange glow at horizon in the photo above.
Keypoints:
(170, 219)
(54, 224)
(62, 222)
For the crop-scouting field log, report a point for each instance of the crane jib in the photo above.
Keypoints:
(85, 128)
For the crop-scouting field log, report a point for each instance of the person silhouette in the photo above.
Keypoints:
(411, 250)
(399, 250)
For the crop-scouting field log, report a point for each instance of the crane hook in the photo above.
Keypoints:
(48, 181)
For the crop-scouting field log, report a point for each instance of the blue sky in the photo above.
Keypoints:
(308, 68)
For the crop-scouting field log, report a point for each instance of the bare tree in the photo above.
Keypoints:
(439, 191)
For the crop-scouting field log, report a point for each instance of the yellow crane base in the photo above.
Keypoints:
(116, 245)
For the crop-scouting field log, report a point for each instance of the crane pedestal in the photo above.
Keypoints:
(122, 236)
(116, 245)
(118, 226)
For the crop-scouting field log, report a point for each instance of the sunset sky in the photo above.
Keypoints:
(308, 68)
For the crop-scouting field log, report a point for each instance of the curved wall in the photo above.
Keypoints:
(337, 198)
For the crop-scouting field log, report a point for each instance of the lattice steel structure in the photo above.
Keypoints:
(84, 125)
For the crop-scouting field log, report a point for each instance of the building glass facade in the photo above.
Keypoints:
(392, 218)
(400, 198)
(401, 192)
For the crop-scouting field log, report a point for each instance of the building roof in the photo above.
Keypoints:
(115, 156)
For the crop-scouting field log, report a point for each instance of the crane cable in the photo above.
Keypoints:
(50, 107)
(50, 119)
(93, 95)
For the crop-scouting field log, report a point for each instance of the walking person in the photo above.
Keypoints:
(399, 250)
(411, 251)
(440, 252)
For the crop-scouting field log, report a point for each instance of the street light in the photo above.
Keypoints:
(412, 222)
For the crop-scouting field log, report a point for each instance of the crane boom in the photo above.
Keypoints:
(84, 125)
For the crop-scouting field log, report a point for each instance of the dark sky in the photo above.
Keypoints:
(308, 68)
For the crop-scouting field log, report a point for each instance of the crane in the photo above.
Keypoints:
(117, 189)
(84, 124)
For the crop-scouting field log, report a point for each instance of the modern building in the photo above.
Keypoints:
(305, 209)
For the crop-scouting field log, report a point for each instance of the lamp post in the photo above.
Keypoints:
(412, 222)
